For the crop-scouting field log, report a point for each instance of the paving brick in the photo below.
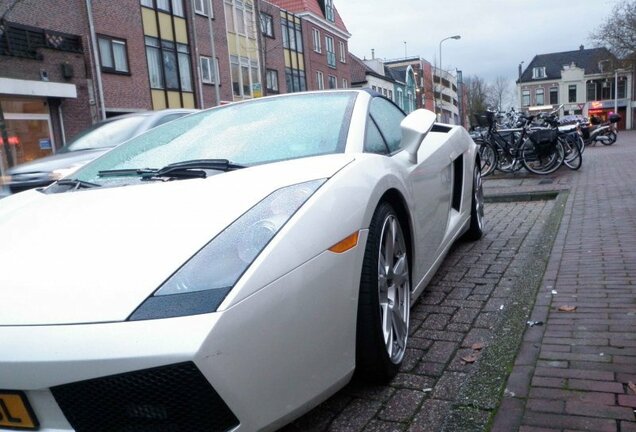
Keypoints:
(546, 405)
(440, 352)
(627, 400)
(599, 386)
(603, 411)
(575, 373)
(508, 416)
(431, 416)
(355, 416)
(561, 394)
(402, 405)
(570, 422)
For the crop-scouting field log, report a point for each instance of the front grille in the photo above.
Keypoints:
(175, 398)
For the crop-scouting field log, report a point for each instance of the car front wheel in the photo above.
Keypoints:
(384, 301)
(476, 229)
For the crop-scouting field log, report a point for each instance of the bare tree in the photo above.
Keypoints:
(477, 96)
(618, 31)
(499, 92)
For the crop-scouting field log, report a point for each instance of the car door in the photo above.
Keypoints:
(429, 181)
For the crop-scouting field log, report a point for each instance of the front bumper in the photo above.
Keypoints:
(270, 357)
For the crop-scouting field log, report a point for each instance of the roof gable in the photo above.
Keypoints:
(587, 59)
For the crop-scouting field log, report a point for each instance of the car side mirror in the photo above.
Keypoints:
(415, 126)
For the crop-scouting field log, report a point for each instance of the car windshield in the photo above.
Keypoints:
(248, 133)
(107, 134)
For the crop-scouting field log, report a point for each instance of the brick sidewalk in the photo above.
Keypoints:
(572, 373)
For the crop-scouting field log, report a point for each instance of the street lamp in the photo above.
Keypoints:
(456, 37)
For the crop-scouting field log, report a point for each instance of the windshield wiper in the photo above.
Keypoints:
(185, 169)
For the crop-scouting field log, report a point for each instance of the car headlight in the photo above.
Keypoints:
(201, 284)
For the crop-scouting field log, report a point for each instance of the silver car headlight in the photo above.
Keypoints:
(201, 284)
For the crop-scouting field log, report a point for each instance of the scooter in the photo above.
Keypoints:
(596, 132)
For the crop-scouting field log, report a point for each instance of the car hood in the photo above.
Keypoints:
(58, 161)
(95, 255)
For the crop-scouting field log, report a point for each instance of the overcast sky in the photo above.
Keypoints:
(496, 35)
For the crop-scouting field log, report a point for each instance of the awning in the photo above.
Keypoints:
(37, 88)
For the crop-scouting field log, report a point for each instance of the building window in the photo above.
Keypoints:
(333, 82)
(320, 80)
(331, 53)
(538, 72)
(209, 70)
(267, 25)
(112, 54)
(168, 65)
(295, 79)
(572, 93)
(400, 98)
(272, 81)
(175, 7)
(538, 95)
(202, 7)
(391, 94)
(525, 98)
(292, 35)
(244, 74)
(554, 96)
(239, 17)
(343, 52)
(622, 87)
(345, 83)
(329, 11)
(317, 41)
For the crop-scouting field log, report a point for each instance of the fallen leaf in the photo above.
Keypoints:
(567, 308)
(632, 386)
(478, 346)
(470, 358)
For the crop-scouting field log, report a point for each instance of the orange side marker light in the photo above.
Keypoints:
(345, 244)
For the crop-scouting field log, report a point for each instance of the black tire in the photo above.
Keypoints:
(542, 163)
(487, 156)
(476, 229)
(611, 135)
(573, 157)
(378, 360)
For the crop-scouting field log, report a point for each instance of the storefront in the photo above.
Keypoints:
(27, 127)
(602, 110)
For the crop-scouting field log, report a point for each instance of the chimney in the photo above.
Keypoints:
(372, 54)
(581, 48)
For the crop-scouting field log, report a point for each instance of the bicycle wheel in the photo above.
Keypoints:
(573, 158)
(543, 161)
(487, 156)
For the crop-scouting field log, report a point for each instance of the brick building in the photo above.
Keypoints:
(66, 64)
(324, 47)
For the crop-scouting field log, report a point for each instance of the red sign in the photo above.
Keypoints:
(13, 140)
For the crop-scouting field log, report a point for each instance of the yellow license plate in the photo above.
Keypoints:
(15, 411)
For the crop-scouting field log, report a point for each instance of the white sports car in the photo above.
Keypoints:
(230, 270)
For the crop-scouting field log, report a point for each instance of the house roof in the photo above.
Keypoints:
(313, 6)
(360, 70)
(587, 59)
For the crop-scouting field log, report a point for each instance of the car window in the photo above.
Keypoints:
(373, 141)
(249, 133)
(388, 118)
(107, 134)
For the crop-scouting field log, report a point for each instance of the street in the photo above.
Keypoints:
(530, 328)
